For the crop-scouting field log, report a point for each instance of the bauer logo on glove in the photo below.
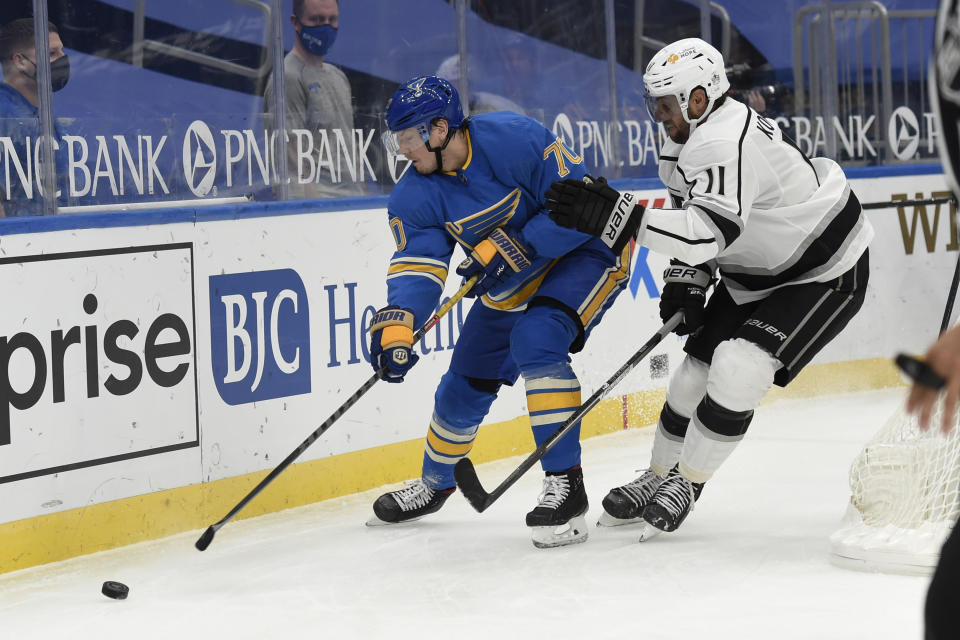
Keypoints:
(592, 206)
(685, 289)
(619, 217)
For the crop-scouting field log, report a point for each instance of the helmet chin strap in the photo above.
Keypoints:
(693, 122)
(436, 150)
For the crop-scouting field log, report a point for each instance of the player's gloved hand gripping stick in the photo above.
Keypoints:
(685, 290)
(204, 541)
(465, 474)
(496, 259)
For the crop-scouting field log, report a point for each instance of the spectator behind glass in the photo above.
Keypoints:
(19, 118)
(480, 101)
(318, 104)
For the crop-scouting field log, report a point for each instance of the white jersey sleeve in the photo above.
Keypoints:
(749, 198)
(707, 178)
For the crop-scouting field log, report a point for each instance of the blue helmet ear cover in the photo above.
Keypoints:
(422, 99)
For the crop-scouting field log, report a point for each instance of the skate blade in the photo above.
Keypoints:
(607, 520)
(374, 521)
(573, 532)
(648, 531)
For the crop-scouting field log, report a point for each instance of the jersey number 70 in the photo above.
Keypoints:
(559, 151)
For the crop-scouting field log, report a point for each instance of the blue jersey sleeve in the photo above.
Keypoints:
(538, 159)
(418, 268)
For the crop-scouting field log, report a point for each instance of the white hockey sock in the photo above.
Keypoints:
(666, 451)
(704, 451)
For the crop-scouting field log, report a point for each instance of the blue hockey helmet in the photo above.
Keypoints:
(416, 104)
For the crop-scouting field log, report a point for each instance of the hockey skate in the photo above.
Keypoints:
(623, 505)
(671, 504)
(410, 503)
(559, 518)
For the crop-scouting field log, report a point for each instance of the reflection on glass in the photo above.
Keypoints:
(172, 101)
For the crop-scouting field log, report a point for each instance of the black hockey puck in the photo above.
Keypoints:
(115, 590)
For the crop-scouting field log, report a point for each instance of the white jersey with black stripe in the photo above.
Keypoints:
(749, 199)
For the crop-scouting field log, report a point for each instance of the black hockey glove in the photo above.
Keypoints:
(592, 206)
(685, 289)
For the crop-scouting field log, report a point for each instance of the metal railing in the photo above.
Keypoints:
(843, 65)
(142, 44)
(649, 43)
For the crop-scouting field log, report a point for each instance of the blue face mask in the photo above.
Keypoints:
(318, 40)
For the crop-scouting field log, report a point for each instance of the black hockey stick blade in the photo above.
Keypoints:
(204, 541)
(468, 482)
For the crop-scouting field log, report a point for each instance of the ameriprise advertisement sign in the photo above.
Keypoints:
(97, 358)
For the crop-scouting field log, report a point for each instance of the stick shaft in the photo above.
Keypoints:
(585, 408)
(349, 402)
(951, 297)
(893, 204)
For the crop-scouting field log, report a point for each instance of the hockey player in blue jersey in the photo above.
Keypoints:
(480, 183)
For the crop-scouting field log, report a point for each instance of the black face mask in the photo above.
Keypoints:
(59, 72)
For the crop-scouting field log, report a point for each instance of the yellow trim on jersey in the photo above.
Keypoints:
(413, 268)
(448, 448)
(615, 275)
(469, 155)
(520, 296)
(482, 222)
(549, 401)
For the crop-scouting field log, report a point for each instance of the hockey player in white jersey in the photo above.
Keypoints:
(781, 236)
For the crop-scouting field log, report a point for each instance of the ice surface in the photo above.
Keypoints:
(751, 562)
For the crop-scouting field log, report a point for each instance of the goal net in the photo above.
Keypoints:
(904, 498)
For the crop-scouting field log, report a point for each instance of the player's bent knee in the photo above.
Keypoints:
(541, 337)
(687, 386)
(741, 374)
(458, 396)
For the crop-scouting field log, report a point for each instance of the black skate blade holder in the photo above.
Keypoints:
(465, 473)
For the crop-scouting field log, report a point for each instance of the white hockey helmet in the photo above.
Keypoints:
(678, 69)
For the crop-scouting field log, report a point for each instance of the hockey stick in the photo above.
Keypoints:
(951, 297)
(906, 203)
(466, 475)
(204, 541)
